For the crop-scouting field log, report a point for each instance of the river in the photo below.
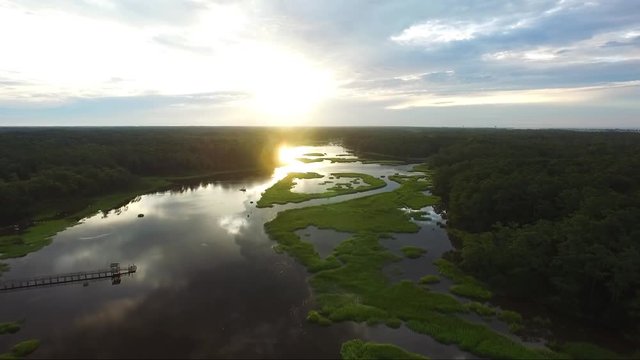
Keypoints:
(208, 284)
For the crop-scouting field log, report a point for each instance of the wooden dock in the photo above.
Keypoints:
(114, 273)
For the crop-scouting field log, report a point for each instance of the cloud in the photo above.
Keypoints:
(182, 59)
(435, 32)
(545, 96)
(616, 46)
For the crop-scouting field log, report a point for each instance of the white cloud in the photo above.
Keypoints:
(439, 32)
(529, 55)
(609, 47)
(537, 96)
(420, 76)
(49, 55)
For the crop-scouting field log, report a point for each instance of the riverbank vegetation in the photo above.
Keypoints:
(280, 192)
(41, 167)
(50, 178)
(464, 285)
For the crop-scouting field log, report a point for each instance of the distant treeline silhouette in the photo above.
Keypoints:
(41, 169)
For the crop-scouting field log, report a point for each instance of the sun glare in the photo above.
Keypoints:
(286, 155)
(288, 158)
(285, 86)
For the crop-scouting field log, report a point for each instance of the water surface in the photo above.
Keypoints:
(209, 283)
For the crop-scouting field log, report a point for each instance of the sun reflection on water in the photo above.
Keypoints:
(287, 154)
(288, 157)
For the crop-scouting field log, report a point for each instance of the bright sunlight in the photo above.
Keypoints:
(287, 155)
(285, 85)
(288, 158)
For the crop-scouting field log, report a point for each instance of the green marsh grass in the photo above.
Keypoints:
(280, 192)
(350, 284)
(413, 252)
(9, 328)
(480, 309)
(21, 349)
(429, 279)
(423, 168)
(357, 350)
(420, 216)
(510, 317)
(588, 351)
(475, 338)
(310, 160)
(383, 162)
(464, 285)
(315, 317)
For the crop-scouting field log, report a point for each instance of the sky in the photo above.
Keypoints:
(453, 63)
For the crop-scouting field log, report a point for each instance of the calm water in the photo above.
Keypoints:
(208, 283)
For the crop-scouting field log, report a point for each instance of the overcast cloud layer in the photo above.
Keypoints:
(548, 63)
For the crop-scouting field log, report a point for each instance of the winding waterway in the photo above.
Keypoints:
(209, 283)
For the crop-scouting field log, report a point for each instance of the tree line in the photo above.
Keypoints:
(42, 167)
(548, 216)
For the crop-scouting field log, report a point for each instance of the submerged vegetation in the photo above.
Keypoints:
(280, 192)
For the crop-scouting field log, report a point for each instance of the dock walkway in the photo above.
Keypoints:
(114, 273)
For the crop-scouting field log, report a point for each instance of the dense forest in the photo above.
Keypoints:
(552, 217)
(42, 168)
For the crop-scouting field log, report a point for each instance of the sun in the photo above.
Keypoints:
(286, 86)
(287, 155)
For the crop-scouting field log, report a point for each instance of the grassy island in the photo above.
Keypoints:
(413, 252)
(358, 349)
(280, 192)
